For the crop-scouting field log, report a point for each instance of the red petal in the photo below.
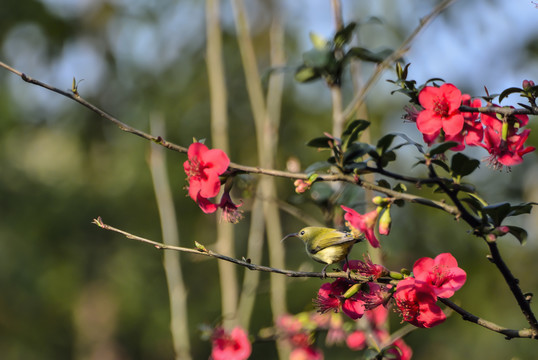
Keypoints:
(428, 122)
(217, 160)
(453, 124)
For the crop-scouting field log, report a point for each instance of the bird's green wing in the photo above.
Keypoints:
(332, 238)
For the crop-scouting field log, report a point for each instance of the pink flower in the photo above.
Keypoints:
(356, 340)
(377, 316)
(362, 223)
(230, 211)
(367, 268)
(502, 140)
(330, 297)
(203, 168)
(442, 274)
(233, 346)
(301, 185)
(441, 110)
(402, 350)
(306, 353)
(471, 133)
(416, 303)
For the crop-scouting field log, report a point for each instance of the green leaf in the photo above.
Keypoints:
(367, 55)
(320, 142)
(356, 167)
(318, 41)
(520, 209)
(317, 166)
(356, 150)
(400, 187)
(354, 130)
(519, 233)
(344, 35)
(509, 91)
(383, 183)
(473, 203)
(386, 158)
(305, 74)
(353, 125)
(318, 59)
(462, 165)
(441, 148)
(497, 212)
(384, 143)
(441, 164)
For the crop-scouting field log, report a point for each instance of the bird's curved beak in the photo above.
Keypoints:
(289, 235)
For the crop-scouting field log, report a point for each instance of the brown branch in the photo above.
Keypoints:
(201, 250)
(506, 111)
(238, 167)
(509, 333)
(513, 284)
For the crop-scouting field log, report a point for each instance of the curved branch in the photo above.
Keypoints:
(509, 333)
(73, 95)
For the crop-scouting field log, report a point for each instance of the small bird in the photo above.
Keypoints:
(325, 245)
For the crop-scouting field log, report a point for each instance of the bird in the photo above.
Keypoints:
(326, 245)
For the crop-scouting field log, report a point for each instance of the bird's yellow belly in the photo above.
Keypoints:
(332, 254)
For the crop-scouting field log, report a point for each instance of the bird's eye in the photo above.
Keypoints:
(302, 232)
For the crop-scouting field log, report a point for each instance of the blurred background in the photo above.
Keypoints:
(72, 290)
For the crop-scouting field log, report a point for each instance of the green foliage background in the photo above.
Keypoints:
(68, 287)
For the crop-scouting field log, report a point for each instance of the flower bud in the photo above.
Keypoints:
(385, 222)
(352, 291)
(527, 84)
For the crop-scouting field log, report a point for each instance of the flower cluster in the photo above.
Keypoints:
(441, 119)
(416, 296)
(230, 346)
(350, 297)
(203, 168)
(297, 333)
(376, 319)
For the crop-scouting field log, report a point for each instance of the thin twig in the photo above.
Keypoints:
(397, 54)
(201, 250)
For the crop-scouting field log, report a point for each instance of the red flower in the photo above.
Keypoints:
(203, 168)
(330, 297)
(442, 274)
(233, 346)
(503, 142)
(230, 211)
(416, 303)
(441, 110)
(367, 268)
(362, 223)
